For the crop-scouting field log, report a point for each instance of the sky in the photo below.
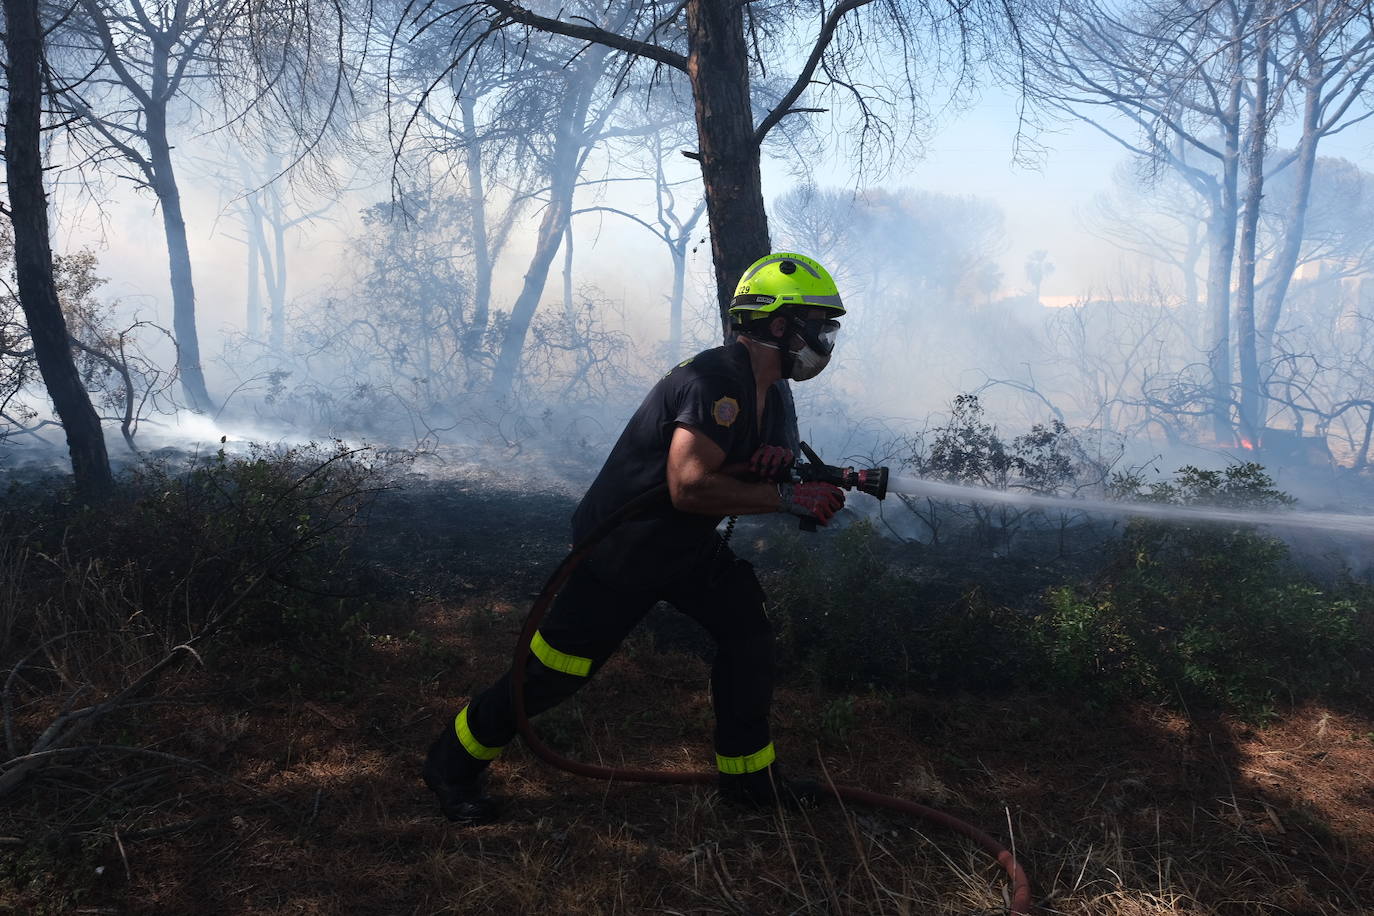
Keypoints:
(974, 151)
(973, 154)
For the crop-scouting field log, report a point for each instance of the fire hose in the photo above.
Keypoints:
(873, 481)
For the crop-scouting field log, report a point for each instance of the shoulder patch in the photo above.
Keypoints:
(725, 411)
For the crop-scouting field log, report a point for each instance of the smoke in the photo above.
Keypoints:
(947, 270)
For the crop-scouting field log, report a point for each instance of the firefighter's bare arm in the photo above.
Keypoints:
(697, 483)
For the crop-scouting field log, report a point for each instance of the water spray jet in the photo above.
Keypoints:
(878, 482)
(1335, 522)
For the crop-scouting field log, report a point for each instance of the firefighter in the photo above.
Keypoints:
(720, 409)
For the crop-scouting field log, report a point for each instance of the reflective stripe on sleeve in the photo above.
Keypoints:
(559, 661)
(749, 763)
(470, 743)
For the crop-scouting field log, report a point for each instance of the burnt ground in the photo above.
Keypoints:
(306, 796)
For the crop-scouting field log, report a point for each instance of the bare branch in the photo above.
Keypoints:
(784, 106)
(515, 13)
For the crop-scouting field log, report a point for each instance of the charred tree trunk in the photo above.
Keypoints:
(1221, 238)
(562, 183)
(276, 275)
(568, 307)
(254, 298)
(679, 253)
(678, 247)
(33, 252)
(718, 68)
(1223, 197)
(477, 217)
(1221, 246)
(1295, 225)
(271, 259)
(178, 256)
(1251, 396)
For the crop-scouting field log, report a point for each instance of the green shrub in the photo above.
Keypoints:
(1085, 642)
(102, 598)
(971, 643)
(838, 720)
(969, 449)
(1212, 615)
(850, 610)
(1209, 614)
(839, 608)
(181, 541)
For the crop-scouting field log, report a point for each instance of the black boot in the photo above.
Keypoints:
(459, 780)
(768, 788)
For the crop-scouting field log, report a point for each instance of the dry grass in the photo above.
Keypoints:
(306, 797)
(315, 808)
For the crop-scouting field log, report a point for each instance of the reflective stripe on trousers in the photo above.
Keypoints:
(749, 763)
(575, 665)
(469, 741)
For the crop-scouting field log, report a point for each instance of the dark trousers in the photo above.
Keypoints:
(590, 618)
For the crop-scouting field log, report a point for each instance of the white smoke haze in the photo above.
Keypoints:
(1053, 292)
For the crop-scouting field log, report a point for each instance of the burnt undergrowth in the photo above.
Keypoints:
(233, 649)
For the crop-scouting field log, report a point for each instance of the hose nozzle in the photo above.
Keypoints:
(872, 481)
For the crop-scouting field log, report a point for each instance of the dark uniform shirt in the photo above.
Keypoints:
(714, 393)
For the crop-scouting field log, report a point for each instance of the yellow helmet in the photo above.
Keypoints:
(780, 280)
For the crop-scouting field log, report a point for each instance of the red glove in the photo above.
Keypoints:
(813, 499)
(770, 461)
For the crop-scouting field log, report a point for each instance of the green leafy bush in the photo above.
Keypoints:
(838, 608)
(1211, 614)
(850, 610)
(1085, 642)
(180, 540)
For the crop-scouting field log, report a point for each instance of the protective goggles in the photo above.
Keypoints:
(819, 333)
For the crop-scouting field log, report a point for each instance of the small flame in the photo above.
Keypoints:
(1246, 444)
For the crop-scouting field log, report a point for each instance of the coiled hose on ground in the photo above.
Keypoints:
(1020, 885)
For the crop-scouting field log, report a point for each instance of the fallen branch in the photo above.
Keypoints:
(58, 736)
